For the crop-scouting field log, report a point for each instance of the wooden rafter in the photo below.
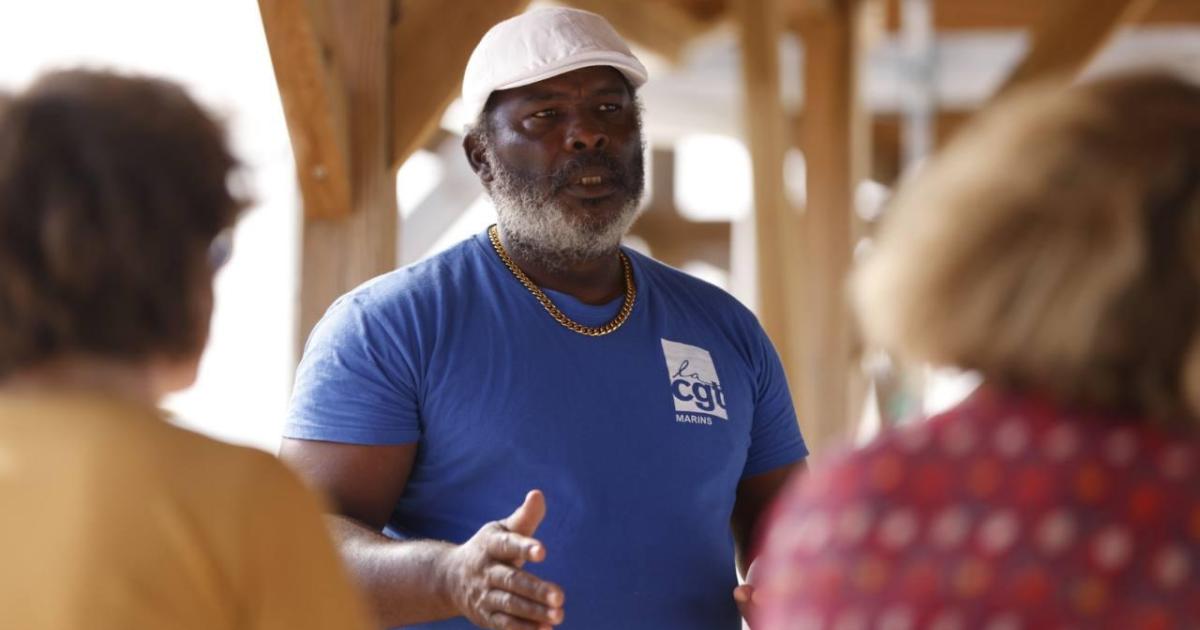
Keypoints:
(1018, 14)
(952, 15)
(431, 44)
(312, 102)
(1069, 34)
(662, 27)
(708, 11)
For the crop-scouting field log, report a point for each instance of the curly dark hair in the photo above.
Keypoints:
(112, 191)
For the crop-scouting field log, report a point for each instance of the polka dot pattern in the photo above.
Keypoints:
(1004, 513)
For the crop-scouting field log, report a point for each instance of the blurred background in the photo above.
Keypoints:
(776, 131)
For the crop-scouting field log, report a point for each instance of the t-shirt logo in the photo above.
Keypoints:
(694, 384)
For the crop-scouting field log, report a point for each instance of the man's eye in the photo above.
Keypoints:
(609, 108)
(545, 113)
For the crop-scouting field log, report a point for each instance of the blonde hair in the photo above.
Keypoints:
(1055, 246)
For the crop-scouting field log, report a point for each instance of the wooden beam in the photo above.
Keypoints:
(338, 254)
(1021, 14)
(837, 149)
(1069, 34)
(776, 224)
(677, 241)
(431, 45)
(814, 8)
(707, 11)
(312, 104)
(659, 26)
(886, 161)
(673, 238)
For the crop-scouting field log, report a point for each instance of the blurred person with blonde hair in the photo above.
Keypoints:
(115, 211)
(1054, 248)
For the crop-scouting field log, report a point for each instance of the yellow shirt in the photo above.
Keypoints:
(111, 518)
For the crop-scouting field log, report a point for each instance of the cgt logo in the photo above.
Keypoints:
(695, 387)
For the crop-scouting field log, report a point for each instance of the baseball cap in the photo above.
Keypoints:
(540, 44)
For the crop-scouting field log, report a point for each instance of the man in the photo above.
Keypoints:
(639, 412)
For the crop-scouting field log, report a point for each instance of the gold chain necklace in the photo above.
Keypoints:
(559, 316)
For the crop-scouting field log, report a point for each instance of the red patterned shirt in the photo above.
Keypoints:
(1005, 513)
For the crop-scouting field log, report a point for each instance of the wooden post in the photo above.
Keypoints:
(1069, 34)
(837, 150)
(776, 223)
(338, 254)
(673, 238)
(886, 140)
(332, 63)
(313, 104)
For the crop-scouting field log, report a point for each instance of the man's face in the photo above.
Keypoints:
(564, 164)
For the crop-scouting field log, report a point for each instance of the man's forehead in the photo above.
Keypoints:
(591, 81)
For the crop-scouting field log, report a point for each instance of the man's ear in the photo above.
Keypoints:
(477, 157)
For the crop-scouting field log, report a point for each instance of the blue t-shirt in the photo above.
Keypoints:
(638, 438)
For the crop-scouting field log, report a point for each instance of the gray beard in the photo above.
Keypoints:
(543, 231)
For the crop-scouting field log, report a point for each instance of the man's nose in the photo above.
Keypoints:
(585, 135)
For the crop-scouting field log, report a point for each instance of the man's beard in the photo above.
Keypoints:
(541, 229)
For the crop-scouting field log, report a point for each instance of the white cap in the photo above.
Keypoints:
(540, 44)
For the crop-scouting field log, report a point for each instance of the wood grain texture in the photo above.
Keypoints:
(672, 237)
(340, 253)
(313, 104)
(431, 43)
(1023, 14)
(663, 27)
(778, 237)
(836, 142)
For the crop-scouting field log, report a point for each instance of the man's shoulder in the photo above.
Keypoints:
(669, 279)
(436, 276)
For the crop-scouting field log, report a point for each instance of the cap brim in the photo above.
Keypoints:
(633, 70)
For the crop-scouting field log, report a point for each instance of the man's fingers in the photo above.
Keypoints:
(502, 621)
(525, 519)
(513, 548)
(521, 609)
(506, 578)
(746, 600)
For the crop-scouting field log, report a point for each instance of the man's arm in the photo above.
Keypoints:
(754, 496)
(410, 582)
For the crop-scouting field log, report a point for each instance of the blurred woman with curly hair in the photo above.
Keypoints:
(115, 210)
(1054, 248)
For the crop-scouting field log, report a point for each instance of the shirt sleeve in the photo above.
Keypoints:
(297, 580)
(356, 382)
(775, 438)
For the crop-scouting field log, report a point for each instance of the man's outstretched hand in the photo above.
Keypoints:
(482, 578)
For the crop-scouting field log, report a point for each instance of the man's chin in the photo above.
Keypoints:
(596, 212)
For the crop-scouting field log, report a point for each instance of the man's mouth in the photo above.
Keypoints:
(593, 185)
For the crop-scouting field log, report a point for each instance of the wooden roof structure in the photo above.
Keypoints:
(365, 83)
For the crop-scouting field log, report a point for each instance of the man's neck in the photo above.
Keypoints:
(592, 281)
